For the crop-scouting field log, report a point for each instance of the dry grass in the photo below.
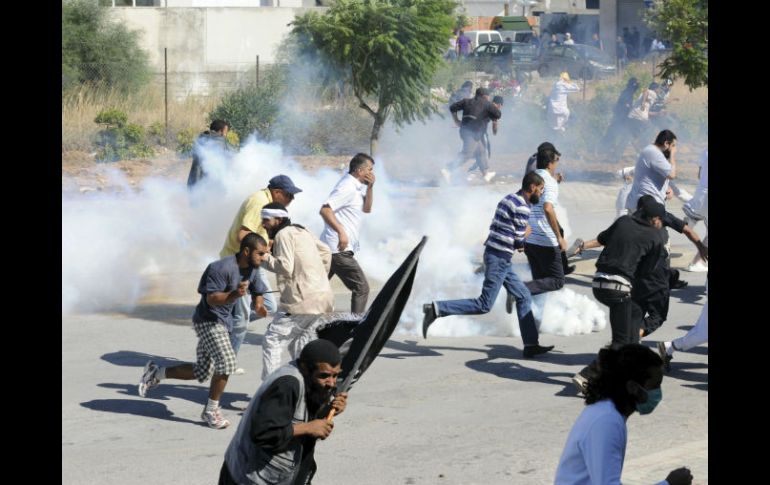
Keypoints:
(80, 107)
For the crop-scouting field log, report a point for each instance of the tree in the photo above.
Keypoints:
(684, 24)
(97, 51)
(387, 50)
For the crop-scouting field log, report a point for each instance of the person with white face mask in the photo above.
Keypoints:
(628, 380)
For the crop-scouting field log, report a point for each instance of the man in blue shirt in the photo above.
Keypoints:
(507, 233)
(220, 287)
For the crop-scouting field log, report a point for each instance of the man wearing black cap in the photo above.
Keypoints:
(476, 114)
(280, 189)
(633, 247)
(275, 440)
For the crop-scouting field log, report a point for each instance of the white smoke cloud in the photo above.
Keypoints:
(113, 243)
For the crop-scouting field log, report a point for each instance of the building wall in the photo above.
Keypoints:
(212, 48)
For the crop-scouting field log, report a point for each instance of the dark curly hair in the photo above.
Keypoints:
(615, 367)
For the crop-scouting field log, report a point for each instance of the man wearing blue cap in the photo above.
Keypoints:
(279, 189)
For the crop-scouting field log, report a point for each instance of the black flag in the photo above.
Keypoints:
(370, 335)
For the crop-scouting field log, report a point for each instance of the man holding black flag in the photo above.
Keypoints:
(275, 440)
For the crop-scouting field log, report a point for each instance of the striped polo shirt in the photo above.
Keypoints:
(506, 233)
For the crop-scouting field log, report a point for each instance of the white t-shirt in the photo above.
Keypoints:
(650, 176)
(347, 202)
(542, 234)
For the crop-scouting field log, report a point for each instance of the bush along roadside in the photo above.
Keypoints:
(119, 139)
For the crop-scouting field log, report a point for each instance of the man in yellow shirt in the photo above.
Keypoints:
(279, 189)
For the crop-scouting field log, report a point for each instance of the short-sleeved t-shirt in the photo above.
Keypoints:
(347, 203)
(249, 216)
(542, 234)
(650, 176)
(224, 276)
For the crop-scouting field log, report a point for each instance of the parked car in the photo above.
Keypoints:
(579, 60)
(479, 37)
(506, 57)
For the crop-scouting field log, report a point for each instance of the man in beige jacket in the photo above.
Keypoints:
(301, 263)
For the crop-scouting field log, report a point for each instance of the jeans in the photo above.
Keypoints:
(498, 272)
(242, 312)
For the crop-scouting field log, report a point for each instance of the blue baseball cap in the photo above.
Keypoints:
(283, 182)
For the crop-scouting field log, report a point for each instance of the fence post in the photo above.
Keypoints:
(165, 87)
(257, 70)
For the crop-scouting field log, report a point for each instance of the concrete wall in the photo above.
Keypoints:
(209, 49)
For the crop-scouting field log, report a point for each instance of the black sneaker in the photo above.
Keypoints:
(430, 316)
(569, 269)
(533, 350)
(509, 301)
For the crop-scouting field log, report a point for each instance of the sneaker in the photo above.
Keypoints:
(572, 251)
(698, 267)
(447, 175)
(509, 301)
(664, 355)
(239, 371)
(215, 419)
(533, 350)
(148, 378)
(489, 176)
(581, 383)
(429, 309)
(569, 269)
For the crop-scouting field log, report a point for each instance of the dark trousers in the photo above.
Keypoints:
(652, 311)
(547, 268)
(625, 329)
(352, 276)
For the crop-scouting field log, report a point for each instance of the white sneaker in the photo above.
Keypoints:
(215, 419)
(447, 175)
(489, 176)
(699, 267)
(148, 378)
(684, 196)
(239, 371)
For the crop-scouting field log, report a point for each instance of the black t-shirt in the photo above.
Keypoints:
(632, 248)
(476, 113)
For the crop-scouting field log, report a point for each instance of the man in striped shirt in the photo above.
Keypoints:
(507, 233)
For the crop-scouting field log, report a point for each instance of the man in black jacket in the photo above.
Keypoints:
(275, 439)
(633, 248)
(477, 112)
(212, 139)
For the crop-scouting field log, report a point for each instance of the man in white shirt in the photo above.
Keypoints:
(343, 213)
(546, 243)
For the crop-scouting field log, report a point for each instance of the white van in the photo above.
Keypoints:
(479, 37)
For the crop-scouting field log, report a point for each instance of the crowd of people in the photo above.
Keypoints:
(275, 438)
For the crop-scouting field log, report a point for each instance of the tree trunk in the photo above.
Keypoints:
(375, 138)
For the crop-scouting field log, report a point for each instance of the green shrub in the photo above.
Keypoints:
(254, 108)
(120, 140)
(184, 141)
